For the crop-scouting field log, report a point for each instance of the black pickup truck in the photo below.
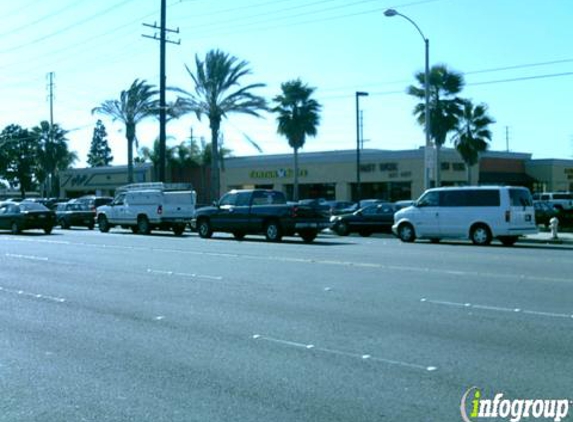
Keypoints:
(243, 212)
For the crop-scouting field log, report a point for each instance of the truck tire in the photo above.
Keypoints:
(143, 226)
(308, 235)
(178, 229)
(273, 232)
(103, 224)
(204, 229)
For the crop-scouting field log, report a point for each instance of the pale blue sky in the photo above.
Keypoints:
(516, 56)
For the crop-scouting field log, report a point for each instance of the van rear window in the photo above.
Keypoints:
(470, 198)
(520, 198)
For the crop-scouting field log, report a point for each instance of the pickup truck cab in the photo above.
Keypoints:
(259, 211)
(143, 207)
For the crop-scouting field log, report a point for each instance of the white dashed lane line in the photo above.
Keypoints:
(467, 305)
(32, 295)
(27, 257)
(359, 356)
(184, 275)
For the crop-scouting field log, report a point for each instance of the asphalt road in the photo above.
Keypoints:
(122, 327)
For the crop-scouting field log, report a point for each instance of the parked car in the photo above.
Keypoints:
(243, 212)
(398, 205)
(338, 207)
(75, 214)
(26, 216)
(376, 218)
(559, 200)
(93, 201)
(477, 213)
(361, 204)
(544, 212)
(143, 207)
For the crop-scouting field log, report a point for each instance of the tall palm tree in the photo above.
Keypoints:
(218, 93)
(298, 117)
(445, 106)
(52, 154)
(472, 133)
(134, 104)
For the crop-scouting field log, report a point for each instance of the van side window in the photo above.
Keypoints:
(470, 198)
(520, 198)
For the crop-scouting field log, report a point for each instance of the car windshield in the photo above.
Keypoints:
(32, 206)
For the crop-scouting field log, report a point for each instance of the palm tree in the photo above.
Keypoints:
(472, 133)
(52, 153)
(217, 93)
(445, 106)
(298, 117)
(134, 105)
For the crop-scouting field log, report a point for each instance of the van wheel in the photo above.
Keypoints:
(406, 233)
(273, 232)
(103, 224)
(508, 240)
(480, 235)
(48, 229)
(143, 225)
(204, 229)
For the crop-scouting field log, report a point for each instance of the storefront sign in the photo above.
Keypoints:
(276, 174)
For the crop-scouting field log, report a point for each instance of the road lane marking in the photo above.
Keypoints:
(361, 356)
(348, 264)
(28, 257)
(188, 275)
(32, 295)
(496, 308)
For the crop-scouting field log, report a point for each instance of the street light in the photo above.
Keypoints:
(427, 157)
(358, 187)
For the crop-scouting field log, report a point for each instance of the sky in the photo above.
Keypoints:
(515, 55)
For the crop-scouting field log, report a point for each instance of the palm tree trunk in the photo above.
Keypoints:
(469, 170)
(214, 160)
(130, 135)
(438, 166)
(295, 187)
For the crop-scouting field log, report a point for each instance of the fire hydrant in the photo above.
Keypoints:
(554, 227)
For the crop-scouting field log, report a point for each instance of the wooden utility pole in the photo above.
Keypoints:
(163, 30)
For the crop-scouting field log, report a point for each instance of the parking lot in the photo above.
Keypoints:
(119, 326)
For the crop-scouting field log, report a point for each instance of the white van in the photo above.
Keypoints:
(146, 206)
(477, 213)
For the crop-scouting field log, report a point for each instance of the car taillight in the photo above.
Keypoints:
(294, 212)
(507, 216)
(160, 209)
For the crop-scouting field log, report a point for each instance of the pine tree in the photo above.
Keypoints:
(100, 152)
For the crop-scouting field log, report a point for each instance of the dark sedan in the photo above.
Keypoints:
(75, 214)
(26, 216)
(376, 218)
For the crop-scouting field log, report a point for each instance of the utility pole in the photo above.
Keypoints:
(51, 129)
(507, 138)
(163, 30)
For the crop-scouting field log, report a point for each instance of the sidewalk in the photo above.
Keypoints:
(564, 238)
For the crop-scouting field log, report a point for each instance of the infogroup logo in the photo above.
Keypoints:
(474, 406)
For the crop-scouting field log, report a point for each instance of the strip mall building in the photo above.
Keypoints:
(391, 175)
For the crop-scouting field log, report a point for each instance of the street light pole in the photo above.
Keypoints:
(428, 146)
(358, 186)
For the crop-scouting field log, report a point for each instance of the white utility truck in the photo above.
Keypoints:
(143, 207)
